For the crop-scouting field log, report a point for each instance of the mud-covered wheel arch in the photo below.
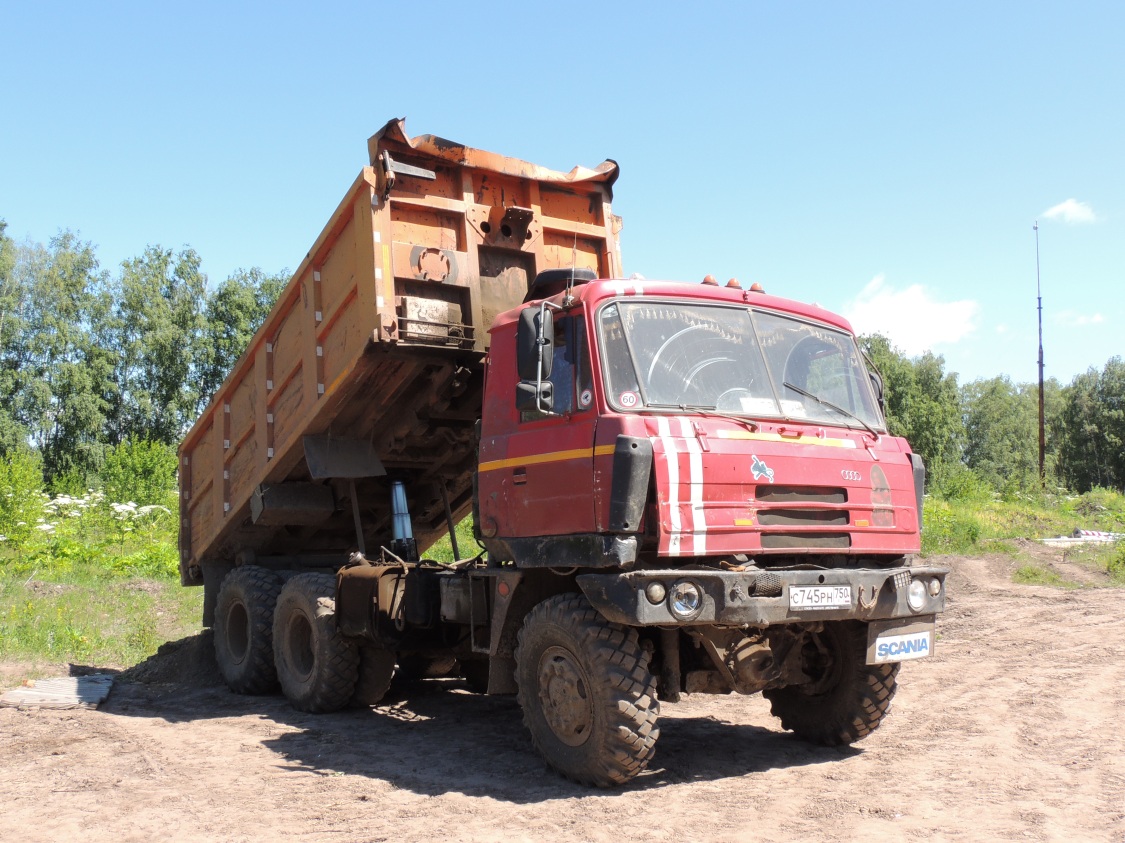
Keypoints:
(316, 665)
(847, 698)
(244, 629)
(588, 697)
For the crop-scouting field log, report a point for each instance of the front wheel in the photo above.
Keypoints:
(846, 699)
(588, 697)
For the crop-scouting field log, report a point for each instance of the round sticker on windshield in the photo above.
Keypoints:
(585, 398)
(628, 400)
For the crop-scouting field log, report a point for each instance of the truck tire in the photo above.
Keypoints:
(847, 699)
(244, 629)
(376, 670)
(316, 665)
(588, 697)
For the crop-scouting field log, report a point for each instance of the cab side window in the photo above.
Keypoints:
(570, 372)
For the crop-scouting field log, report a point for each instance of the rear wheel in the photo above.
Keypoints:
(587, 695)
(244, 629)
(316, 665)
(847, 698)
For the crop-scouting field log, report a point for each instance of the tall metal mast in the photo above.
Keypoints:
(1042, 433)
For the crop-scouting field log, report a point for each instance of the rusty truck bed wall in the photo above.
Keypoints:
(379, 336)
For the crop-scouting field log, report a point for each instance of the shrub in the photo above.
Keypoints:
(140, 471)
(959, 483)
(21, 497)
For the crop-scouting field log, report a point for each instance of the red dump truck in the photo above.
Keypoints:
(675, 487)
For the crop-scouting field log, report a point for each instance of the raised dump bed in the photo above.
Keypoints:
(369, 367)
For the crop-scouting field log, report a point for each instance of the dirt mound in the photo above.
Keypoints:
(189, 661)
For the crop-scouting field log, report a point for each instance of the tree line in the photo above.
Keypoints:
(91, 359)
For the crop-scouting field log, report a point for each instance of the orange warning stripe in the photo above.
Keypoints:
(554, 456)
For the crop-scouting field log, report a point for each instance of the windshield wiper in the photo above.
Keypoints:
(705, 411)
(874, 433)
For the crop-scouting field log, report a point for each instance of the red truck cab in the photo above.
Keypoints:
(765, 431)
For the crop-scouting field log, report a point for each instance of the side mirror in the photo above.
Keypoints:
(877, 385)
(532, 396)
(535, 344)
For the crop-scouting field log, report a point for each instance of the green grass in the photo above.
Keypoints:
(1108, 559)
(90, 582)
(1032, 574)
(92, 620)
(988, 525)
(442, 550)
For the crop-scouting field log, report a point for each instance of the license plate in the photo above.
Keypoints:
(902, 646)
(820, 597)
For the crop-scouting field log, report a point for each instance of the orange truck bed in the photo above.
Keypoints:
(377, 343)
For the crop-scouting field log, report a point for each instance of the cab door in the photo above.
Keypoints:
(549, 470)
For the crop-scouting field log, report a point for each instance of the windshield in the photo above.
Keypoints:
(732, 360)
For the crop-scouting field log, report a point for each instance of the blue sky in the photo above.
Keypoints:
(885, 160)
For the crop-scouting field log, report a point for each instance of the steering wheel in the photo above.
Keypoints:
(731, 400)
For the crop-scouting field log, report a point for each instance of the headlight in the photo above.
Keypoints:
(935, 588)
(916, 595)
(655, 592)
(685, 600)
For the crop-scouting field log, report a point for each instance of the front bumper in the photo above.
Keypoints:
(761, 597)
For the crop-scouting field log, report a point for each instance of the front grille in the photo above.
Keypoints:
(801, 494)
(785, 541)
(799, 517)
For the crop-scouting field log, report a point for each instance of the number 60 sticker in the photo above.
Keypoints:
(628, 400)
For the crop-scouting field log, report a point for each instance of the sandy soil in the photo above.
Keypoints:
(1014, 730)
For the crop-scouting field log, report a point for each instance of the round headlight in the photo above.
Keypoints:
(655, 592)
(934, 588)
(916, 595)
(685, 600)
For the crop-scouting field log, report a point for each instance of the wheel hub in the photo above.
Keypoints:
(564, 696)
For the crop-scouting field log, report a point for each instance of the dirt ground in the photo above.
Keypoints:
(1014, 730)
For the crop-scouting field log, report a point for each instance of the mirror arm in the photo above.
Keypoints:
(539, 341)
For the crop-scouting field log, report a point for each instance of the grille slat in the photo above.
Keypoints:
(806, 517)
(801, 494)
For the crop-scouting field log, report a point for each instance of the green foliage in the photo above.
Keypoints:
(84, 581)
(1092, 425)
(235, 311)
(922, 403)
(1002, 432)
(157, 329)
(1115, 565)
(973, 524)
(47, 381)
(958, 483)
(140, 471)
(21, 498)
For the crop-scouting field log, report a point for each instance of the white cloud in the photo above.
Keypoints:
(1001, 328)
(1074, 319)
(1072, 212)
(910, 318)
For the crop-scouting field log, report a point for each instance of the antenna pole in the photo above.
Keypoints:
(1042, 432)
